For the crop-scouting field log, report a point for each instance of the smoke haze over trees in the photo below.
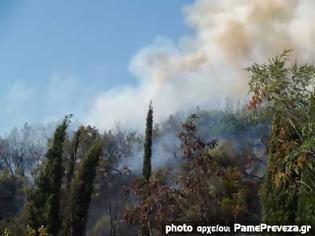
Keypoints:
(228, 136)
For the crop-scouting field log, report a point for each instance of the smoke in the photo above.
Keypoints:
(165, 153)
(207, 66)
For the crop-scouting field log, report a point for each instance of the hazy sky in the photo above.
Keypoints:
(56, 55)
(104, 60)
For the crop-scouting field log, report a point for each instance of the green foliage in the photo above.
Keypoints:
(6, 232)
(66, 219)
(44, 200)
(83, 187)
(148, 145)
(41, 231)
(73, 156)
(11, 195)
(285, 93)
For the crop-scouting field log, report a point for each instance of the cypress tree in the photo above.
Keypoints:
(44, 201)
(67, 214)
(73, 157)
(83, 188)
(148, 145)
(146, 169)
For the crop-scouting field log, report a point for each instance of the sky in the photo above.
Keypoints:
(104, 60)
(55, 56)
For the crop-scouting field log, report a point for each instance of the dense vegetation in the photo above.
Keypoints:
(247, 164)
(286, 94)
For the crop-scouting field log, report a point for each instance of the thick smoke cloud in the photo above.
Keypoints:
(206, 67)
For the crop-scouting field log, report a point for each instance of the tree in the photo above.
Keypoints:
(44, 200)
(73, 157)
(83, 188)
(76, 151)
(70, 172)
(142, 186)
(113, 175)
(214, 184)
(21, 149)
(285, 94)
(154, 210)
(211, 186)
(11, 198)
(148, 145)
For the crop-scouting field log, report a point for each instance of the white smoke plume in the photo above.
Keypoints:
(207, 66)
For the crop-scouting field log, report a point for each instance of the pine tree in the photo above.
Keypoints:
(44, 201)
(83, 188)
(148, 144)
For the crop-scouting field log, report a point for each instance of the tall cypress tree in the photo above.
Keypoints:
(83, 188)
(146, 171)
(73, 157)
(67, 214)
(44, 201)
(148, 145)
